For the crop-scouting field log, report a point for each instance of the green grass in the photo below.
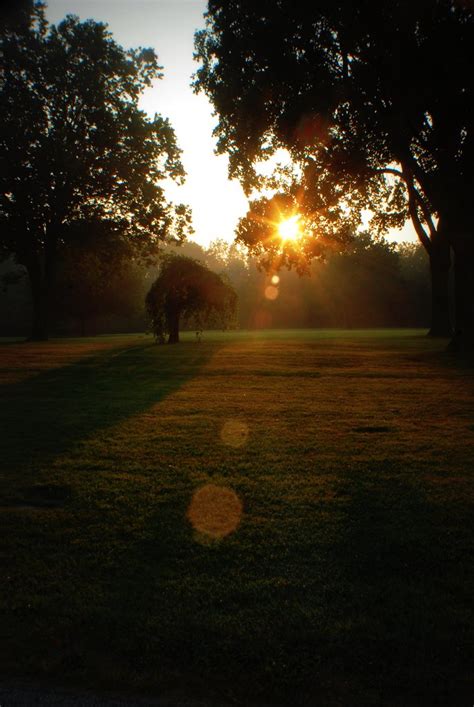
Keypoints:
(347, 579)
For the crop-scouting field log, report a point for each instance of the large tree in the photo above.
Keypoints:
(75, 146)
(360, 94)
(187, 291)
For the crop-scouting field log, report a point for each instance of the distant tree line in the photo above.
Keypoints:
(370, 284)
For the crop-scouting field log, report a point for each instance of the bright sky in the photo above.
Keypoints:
(169, 26)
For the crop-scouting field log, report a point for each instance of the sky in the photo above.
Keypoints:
(169, 26)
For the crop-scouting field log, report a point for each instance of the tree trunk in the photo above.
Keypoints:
(41, 266)
(463, 246)
(39, 293)
(440, 265)
(173, 326)
(40, 328)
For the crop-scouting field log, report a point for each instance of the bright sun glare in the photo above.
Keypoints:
(290, 228)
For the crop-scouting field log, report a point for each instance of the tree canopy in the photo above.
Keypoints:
(75, 145)
(371, 99)
(187, 291)
(354, 85)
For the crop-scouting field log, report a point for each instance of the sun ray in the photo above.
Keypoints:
(289, 229)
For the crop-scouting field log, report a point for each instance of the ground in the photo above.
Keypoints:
(279, 517)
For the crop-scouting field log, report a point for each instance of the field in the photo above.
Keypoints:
(283, 517)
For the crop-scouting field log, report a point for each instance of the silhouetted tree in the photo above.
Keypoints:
(187, 290)
(75, 145)
(371, 99)
(97, 274)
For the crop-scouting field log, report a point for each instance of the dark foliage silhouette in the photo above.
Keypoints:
(369, 283)
(187, 290)
(76, 146)
(97, 274)
(373, 103)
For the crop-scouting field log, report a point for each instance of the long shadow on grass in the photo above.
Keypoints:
(44, 416)
(378, 615)
(405, 598)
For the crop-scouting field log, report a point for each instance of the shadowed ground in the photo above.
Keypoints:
(326, 559)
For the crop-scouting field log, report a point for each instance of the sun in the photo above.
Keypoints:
(289, 229)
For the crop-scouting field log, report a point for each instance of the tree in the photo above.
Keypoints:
(186, 290)
(75, 146)
(97, 274)
(372, 100)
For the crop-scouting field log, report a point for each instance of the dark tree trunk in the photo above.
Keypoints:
(40, 326)
(173, 326)
(438, 247)
(82, 320)
(463, 246)
(440, 265)
(41, 266)
(40, 297)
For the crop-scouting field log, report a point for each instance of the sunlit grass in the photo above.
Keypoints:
(292, 507)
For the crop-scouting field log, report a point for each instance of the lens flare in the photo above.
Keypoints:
(235, 433)
(271, 292)
(215, 511)
(289, 229)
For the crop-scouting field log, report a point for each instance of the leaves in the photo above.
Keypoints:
(75, 144)
(188, 290)
(350, 90)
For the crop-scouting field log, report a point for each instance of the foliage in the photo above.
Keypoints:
(187, 290)
(75, 145)
(320, 231)
(369, 283)
(98, 273)
(373, 103)
(347, 88)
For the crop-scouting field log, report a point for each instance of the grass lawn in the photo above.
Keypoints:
(279, 517)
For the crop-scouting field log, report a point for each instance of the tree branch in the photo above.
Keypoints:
(425, 211)
(390, 170)
(413, 202)
(413, 194)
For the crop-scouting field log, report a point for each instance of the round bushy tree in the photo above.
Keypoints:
(187, 291)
